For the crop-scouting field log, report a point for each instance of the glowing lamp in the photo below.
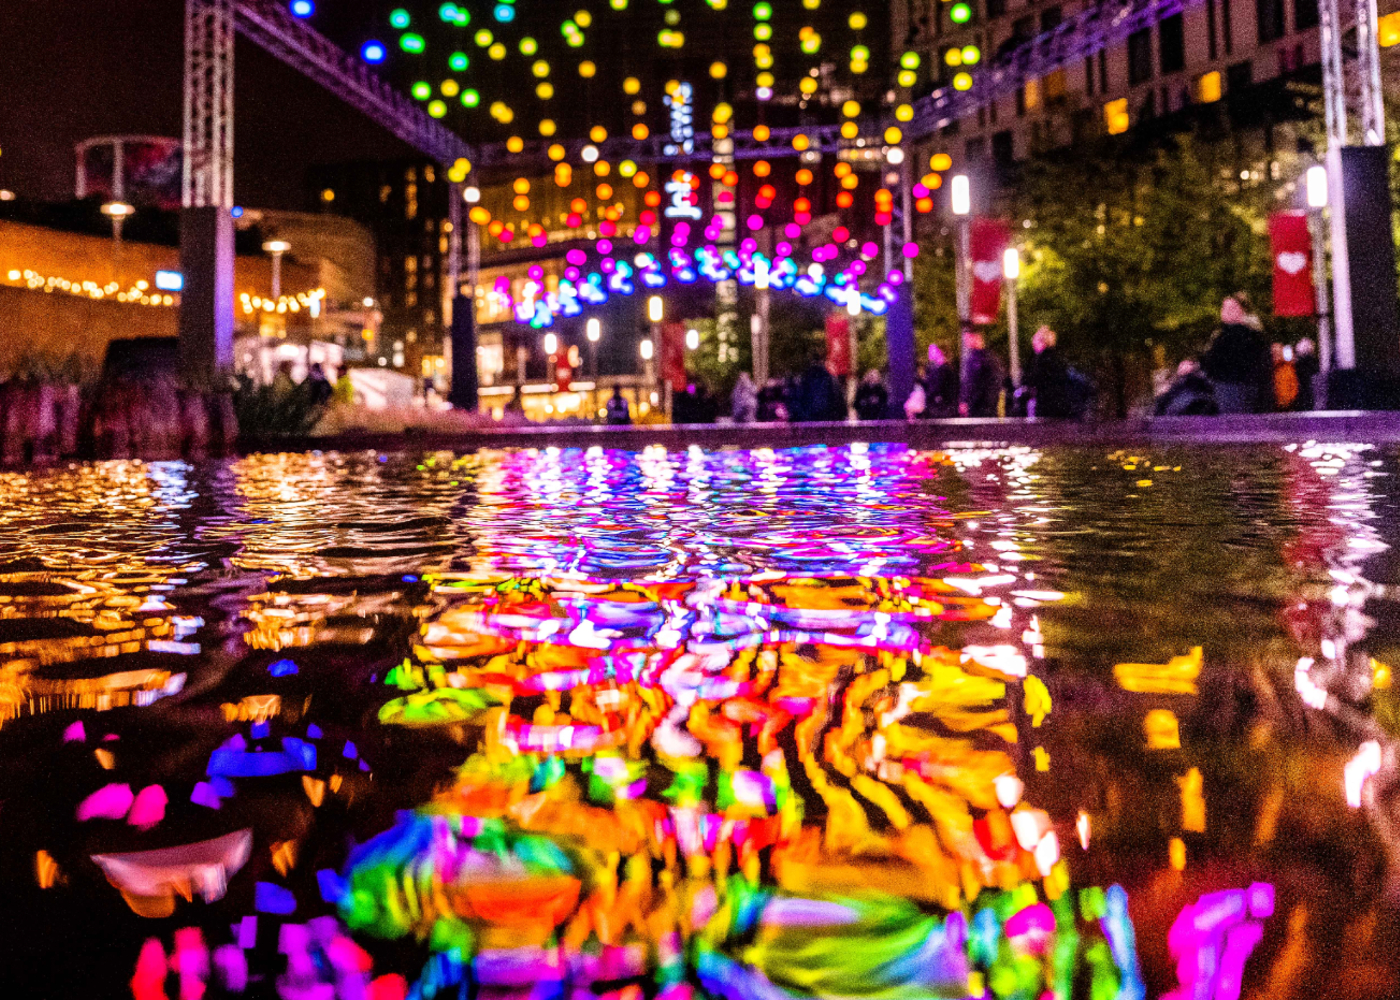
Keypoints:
(647, 349)
(655, 309)
(593, 330)
(1011, 264)
(373, 52)
(303, 8)
(961, 195)
(1316, 179)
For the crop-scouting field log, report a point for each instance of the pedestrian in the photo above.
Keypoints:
(1306, 367)
(940, 383)
(344, 391)
(819, 395)
(1190, 394)
(981, 383)
(872, 398)
(772, 402)
(318, 387)
(1047, 378)
(619, 414)
(1237, 362)
(1285, 378)
(743, 401)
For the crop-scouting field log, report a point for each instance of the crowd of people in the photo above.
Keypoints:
(1241, 372)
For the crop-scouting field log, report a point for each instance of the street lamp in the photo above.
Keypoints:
(692, 339)
(1316, 185)
(117, 211)
(655, 311)
(648, 350)
(277, 248)
(1011, 271)
(960, 200)
(551, 344)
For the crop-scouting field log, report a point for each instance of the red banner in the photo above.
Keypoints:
(988, 241)
(1291, 244)
(838, 344)
(673, 355)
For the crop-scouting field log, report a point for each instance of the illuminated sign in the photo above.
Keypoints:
(684, 201)
(170, 281)
(679, 100)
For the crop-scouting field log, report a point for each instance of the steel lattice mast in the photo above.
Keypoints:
(208, 140)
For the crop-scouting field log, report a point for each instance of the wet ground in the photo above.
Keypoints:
(858, 721)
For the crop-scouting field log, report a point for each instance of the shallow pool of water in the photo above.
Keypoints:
(858, 721)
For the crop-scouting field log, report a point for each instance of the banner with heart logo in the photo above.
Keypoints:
(1291, 244)
(838, 344)
(988, 241)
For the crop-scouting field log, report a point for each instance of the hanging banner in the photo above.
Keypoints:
(673, 355)
(838, 344)
(988, 241)
(1291, 244)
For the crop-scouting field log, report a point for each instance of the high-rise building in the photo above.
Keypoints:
(1239, 52)
(404, 204)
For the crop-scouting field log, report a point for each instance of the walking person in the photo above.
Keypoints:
(1047, 378)
(743, 401)
(1306, 366)
(1285, 379)
(872, 398)
(940, 383)
(1237, 362)
(981, 385)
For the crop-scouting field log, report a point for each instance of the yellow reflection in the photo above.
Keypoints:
(1176, 676)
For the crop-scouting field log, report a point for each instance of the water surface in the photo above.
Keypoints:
(858, 721)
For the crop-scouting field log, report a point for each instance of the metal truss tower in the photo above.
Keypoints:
(208, 172)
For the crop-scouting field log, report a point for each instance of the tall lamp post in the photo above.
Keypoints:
(277, 248)
(1316, 183)
(593, 331)
(1011, 271)
(656, 312)
(118, 212)
(960, 200)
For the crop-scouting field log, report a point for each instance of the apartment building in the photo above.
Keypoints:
(1236, 51)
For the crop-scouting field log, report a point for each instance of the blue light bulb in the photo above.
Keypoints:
(373, 52)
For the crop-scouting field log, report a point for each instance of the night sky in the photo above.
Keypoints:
(73, 69)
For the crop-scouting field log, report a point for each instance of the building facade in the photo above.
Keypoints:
(1235, 51)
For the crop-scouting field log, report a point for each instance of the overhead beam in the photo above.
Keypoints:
(268, 24)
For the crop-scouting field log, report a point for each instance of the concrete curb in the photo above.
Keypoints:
(1368, 427)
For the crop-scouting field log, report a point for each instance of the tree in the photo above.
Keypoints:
(1127, 249)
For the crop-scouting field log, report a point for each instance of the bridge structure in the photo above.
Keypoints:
(207, 234)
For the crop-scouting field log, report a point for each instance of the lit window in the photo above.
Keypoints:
(1208, 87)
(1388, 30)
(1115, 116)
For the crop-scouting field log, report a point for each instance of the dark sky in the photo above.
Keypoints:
(72, 69)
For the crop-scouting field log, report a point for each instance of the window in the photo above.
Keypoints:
(1089, 75)
(1388, 30)
(385, 192)
(1028, 97)
(976, 149)
(1304, 14)
(1210, 25)
(1226, 28)
(1003, 148)
(1055, 87)
(1208, 87)
(1139, 57)
(1171, 44)
(995, 8)
(1239, 76)
(1049, 18)
(1023, 29)
(1115, 116)
(1270, 19)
